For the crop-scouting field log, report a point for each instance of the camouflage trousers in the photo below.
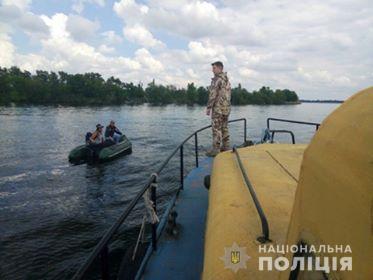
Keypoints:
(220, 133)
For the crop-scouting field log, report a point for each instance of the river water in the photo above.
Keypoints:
(52, 213)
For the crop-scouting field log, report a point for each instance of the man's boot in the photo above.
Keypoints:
(224, 149)
(212, 152)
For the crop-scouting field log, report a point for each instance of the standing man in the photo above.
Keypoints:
(219, 107)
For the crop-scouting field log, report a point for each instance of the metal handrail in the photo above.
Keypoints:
(292, 121)
(101, 248)
(263, 219)
(273, 131)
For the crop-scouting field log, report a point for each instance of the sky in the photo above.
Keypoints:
(322, 49)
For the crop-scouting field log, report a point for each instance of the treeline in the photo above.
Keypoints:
(50, 88)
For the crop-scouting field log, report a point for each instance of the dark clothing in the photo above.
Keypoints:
(106, 143)
(96, 148)
(88, 137)
(110, 131)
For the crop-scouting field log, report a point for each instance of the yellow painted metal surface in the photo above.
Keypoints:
(334, 200)
(332, 204)
(232, 217)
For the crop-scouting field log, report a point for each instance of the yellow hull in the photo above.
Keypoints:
(324, 198)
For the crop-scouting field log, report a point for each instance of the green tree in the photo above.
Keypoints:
(43, 87)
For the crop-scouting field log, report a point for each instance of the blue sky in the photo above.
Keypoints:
(320, 48)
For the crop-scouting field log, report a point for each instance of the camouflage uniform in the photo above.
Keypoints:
(220, 105)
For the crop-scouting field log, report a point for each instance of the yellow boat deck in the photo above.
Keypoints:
(273, 171)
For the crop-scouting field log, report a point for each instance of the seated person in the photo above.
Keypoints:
(97, 137)
(96, 140)
(112, 132)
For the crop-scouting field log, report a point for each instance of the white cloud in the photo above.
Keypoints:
(106, 49)
(133, 14)
(17, 17)
(130, 11)
(191, 73)
(57, 25)
(246, 73)
(192, 19)
(144, 57)
(21, 4)
(78, 5)
(140, 35)
(80, 28)
(205, 53)
(324, 76)
(32, 23)
(33, 62)
(111, 38)
(7, 50)
(63, 51)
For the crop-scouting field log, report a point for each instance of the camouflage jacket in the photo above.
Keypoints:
(220, 94)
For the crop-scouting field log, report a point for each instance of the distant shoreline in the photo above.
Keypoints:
(135, 104)
(320, 101)
(12, 104)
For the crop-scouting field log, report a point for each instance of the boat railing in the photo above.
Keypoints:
(101, 250)
(274, 131)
